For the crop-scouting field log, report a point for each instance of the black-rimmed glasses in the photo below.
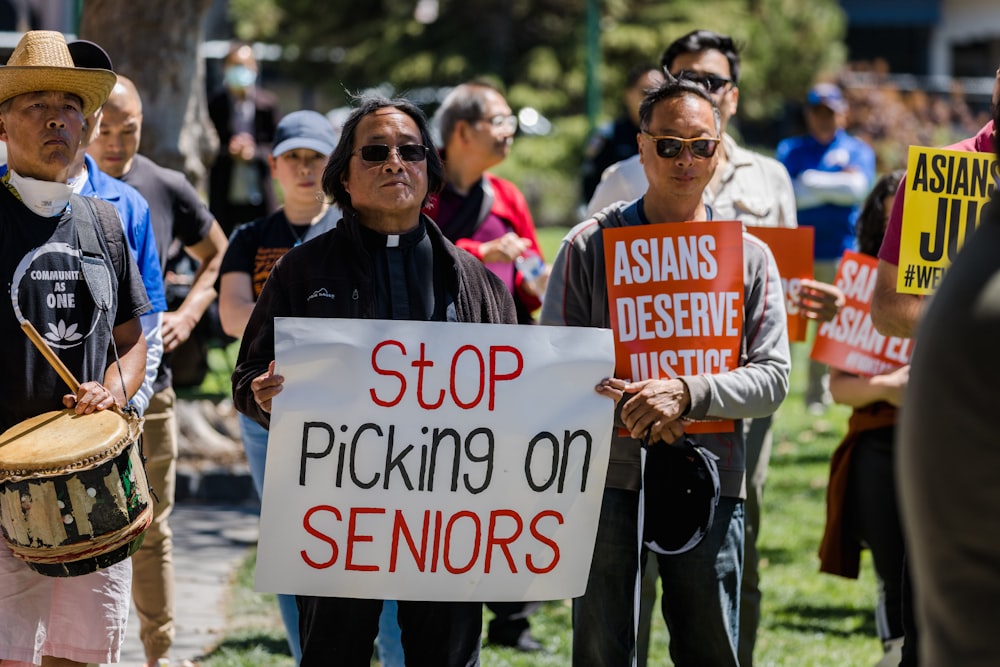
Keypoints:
(670, 147)
(379, 153)
(712, 83)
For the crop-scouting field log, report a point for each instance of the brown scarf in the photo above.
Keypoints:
(839, 552)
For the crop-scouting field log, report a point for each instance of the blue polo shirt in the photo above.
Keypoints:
(134, 213)
(833, 224)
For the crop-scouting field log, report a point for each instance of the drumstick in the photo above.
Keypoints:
(50, 356)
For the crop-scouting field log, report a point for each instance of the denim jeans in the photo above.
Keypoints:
(255, 445)
(703, 626)
(390, 648)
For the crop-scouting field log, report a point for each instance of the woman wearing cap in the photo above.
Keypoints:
(303, 141)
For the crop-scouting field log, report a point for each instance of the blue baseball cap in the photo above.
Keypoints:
(304, 129)
(827, 95)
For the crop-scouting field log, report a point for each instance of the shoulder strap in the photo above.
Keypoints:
(95, 270)
(88, 218)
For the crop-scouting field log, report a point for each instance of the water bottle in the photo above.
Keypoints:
(531, 267)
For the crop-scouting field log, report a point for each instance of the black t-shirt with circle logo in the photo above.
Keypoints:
(40, 265)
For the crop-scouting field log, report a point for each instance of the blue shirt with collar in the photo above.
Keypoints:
(134, 213)
(833, 223)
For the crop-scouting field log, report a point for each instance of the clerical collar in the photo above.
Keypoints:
(406, 240)
(44, 198)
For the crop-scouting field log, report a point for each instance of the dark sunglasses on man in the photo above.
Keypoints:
(712, 83)
(670, 147)
(379, 153)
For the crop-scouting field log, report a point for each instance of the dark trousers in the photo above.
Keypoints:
(874, 514)
(510, 621)
(341, 631)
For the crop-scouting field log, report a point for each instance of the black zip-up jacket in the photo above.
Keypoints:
(336, 270)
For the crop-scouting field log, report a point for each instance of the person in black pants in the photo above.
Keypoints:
(384, 260)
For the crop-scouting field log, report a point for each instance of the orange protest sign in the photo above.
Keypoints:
(675, 296)
(849, 342)
(792, 248)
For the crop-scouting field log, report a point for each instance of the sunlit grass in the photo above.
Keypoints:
(808, 619)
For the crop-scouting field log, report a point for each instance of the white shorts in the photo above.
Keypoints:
(78, 618)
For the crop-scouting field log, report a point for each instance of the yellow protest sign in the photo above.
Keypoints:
(945, 193)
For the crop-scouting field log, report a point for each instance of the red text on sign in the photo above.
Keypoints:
(434, 540)
(501, 363)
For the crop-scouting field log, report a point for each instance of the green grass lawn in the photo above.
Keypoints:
(808, 618)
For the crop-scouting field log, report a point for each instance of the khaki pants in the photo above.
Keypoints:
(758, 439)
(152, 564)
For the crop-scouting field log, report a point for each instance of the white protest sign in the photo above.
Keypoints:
(434, 461)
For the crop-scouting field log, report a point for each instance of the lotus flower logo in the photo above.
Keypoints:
(63, 334)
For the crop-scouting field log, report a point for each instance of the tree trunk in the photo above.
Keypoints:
(156, 44)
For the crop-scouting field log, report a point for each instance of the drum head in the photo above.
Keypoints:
(62, 440)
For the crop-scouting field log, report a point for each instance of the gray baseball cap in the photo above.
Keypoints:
(304, 129)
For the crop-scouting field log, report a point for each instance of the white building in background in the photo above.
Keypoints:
(935, 38)
(966, 39)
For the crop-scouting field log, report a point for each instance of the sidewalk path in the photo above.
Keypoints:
(209, 543)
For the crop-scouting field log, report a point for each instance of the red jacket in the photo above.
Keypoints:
(509, 205)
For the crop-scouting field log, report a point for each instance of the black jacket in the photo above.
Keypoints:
(335, 270)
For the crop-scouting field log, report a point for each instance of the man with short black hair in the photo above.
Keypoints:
(88, 180)
(177, 213)
(756, 190)
(747, 186)
(678, 146)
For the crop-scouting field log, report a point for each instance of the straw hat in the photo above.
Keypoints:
(42, 61)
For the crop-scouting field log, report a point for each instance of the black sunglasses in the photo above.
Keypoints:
(379, 153)
(670, 147)
(712, 83)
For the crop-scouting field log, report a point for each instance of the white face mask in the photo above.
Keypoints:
(45, 198)
(239, 77)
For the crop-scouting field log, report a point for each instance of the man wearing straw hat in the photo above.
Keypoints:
(54, 621)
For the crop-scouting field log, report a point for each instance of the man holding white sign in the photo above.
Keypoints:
(383, 261)
(680, 125)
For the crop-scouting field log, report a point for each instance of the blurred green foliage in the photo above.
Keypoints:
(536, 49)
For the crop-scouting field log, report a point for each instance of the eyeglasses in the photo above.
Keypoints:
(712, 83)
(501, 122)
(379, 153)
(670, 147)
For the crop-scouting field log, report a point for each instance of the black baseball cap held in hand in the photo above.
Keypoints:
(681, 489)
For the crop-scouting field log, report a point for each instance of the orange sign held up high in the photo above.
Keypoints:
(675, 296)
(792, 248)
